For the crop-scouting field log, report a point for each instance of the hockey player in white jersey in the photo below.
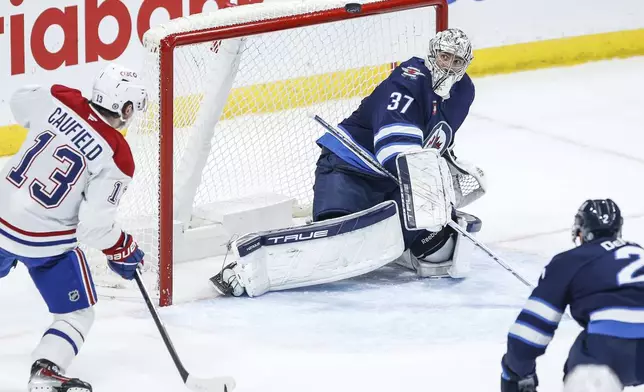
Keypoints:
(63, 186)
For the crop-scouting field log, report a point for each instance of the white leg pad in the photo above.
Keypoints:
(65, 337)
(592, 378)
(322, 252)
(463, 250)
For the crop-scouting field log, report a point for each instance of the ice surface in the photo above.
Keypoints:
(547, 139)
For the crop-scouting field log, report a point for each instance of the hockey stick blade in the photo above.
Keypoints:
(217, 384)
(489, 252)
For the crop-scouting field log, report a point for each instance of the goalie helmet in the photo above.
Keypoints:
(597, 219)
(450, 53)
(116, 86)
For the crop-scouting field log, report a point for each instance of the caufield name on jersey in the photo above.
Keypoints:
(82, 139)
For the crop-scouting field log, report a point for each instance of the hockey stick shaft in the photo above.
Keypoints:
(216, 384)
(489, 252)
(350, 144)
(162, 330)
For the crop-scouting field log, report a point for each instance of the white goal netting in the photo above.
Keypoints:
(241, 105)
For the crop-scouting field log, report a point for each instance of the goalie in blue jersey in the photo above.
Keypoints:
(361, 219)
(419, 106)
(602, 281)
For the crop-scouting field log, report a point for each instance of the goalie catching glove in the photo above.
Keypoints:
(124, 257)
(469, 181)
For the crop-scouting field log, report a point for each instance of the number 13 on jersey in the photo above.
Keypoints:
(63, 179)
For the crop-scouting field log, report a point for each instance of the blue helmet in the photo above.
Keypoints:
(599, 218)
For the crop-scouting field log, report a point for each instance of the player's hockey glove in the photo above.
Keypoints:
(124, 257)
(512, 382)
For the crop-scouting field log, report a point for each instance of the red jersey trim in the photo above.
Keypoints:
(37, 234)
(74, 100)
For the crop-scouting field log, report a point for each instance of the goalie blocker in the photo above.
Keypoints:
(427, 196)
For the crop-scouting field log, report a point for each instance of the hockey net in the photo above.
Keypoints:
(230, 92)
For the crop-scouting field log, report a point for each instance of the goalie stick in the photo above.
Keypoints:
(215, 384)
(350, 144)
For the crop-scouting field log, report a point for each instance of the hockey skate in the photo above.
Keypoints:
(47, 377)
(226, 282)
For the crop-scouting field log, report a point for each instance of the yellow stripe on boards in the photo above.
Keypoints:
(557, 52)
(281, 95)
(11, 138)
(304, 91)
(310, 90)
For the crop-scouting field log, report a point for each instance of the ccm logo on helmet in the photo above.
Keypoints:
(297, 237)
(129, 74)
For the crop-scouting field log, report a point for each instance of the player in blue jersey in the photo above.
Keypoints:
(359, 225)
(420, 105)
(602, 280)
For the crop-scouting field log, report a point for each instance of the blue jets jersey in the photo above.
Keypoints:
(601, 280)
(402, 114)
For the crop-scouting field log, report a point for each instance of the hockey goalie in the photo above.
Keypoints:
(362, 218)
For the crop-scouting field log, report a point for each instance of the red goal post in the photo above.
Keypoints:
(166, 99)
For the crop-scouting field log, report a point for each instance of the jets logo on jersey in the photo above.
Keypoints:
(440, 137)
(411, 73)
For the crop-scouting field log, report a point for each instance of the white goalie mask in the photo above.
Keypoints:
(450, 53)
(114, 87)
